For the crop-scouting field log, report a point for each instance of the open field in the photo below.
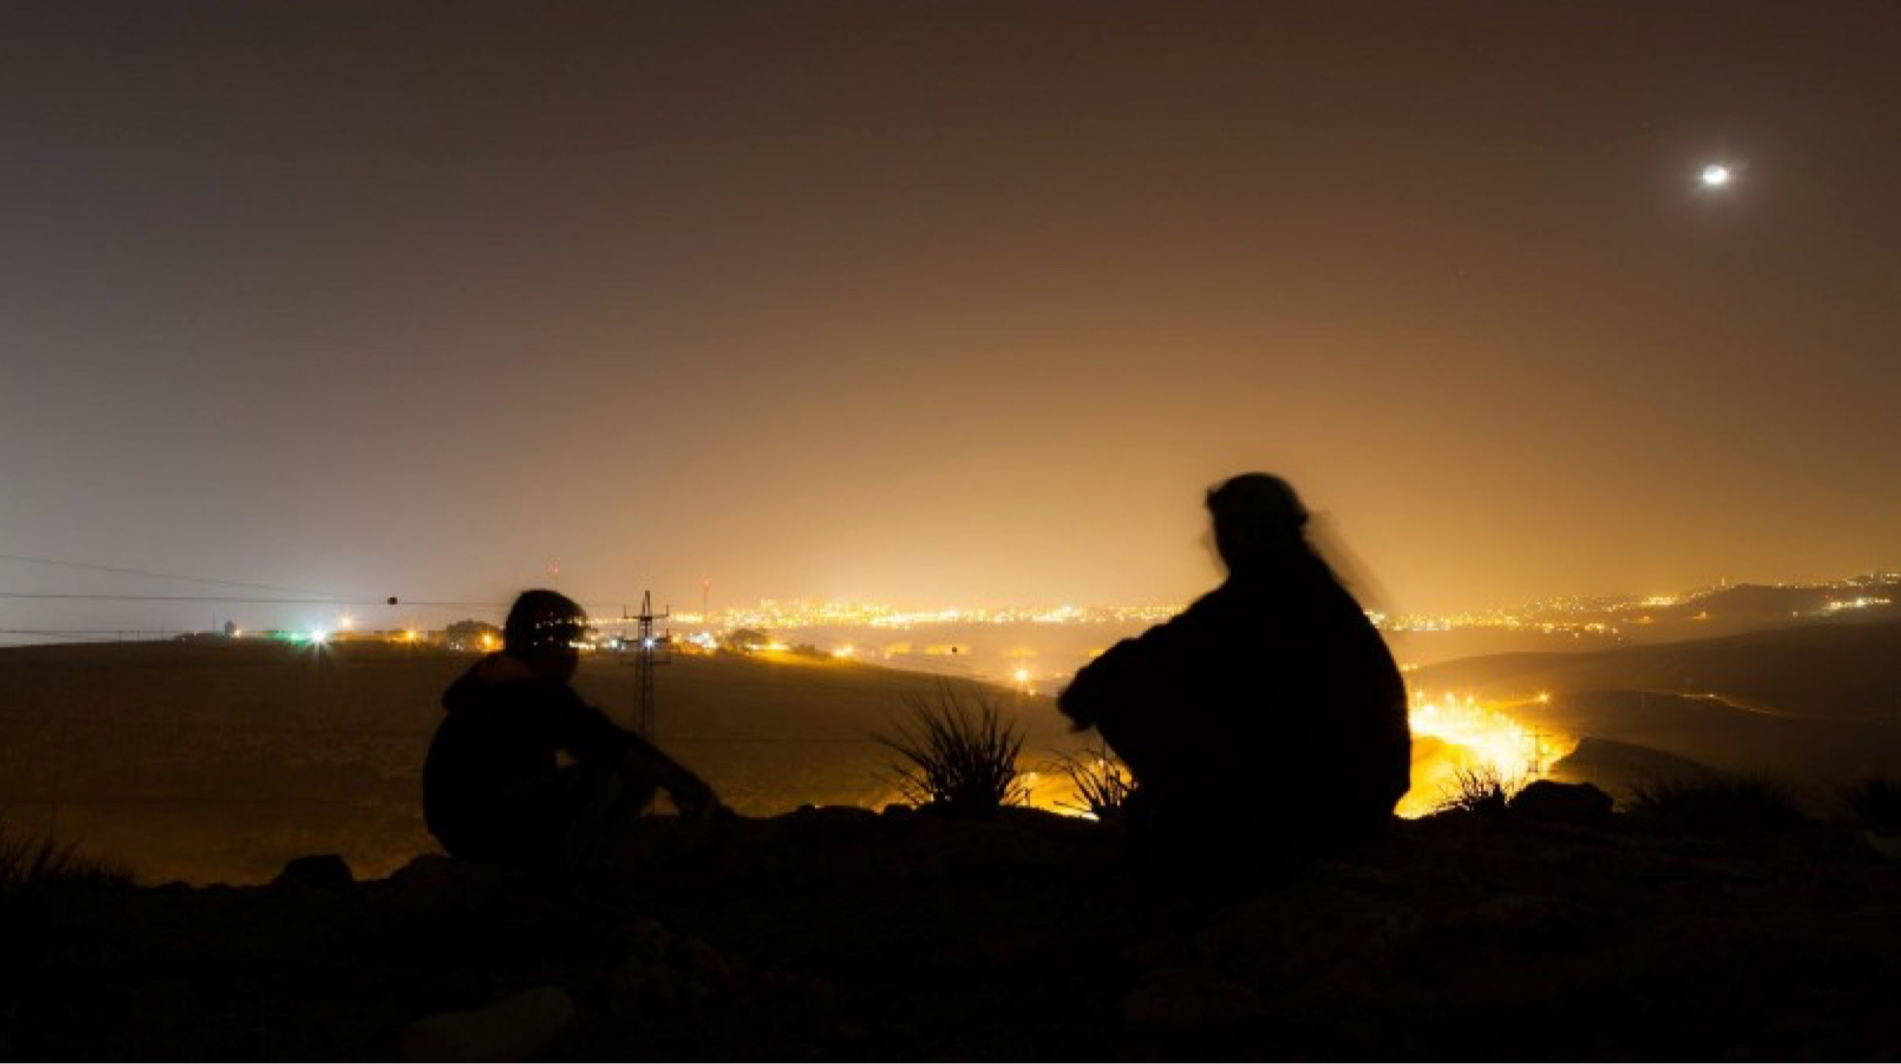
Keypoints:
(209, 761)
(219, 761)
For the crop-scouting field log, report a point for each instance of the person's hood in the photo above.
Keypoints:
(473, 686)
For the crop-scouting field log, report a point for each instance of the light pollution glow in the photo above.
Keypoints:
(1473, 737)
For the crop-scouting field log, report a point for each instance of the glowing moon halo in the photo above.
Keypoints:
(1716, 175)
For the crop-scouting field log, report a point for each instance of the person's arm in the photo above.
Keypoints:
(1132, 674)
(1098, 687)
(647, 763)
(590, 736)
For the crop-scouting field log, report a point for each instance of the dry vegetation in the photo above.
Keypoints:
(1479, 789)
(1876, 803)
(42, 862)
(1101, 781)
(957, 754)
(1724, 805)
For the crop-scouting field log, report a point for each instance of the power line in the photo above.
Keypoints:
(450, 604)
(313, 597)
(101, 597)
(390, 601)
(93, 567)
(102, 632)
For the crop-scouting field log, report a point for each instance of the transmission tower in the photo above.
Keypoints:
(650, 651)
(1536, 763)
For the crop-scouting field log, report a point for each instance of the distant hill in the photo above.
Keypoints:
(1743, 608)
(1817, 670)
(1820, 701)
(1569, 625)
(1621, 768)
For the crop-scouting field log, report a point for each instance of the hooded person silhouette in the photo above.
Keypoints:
(493, 786)
(1269, 715)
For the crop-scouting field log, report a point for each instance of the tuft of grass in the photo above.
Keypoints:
(1102, 782)
(957, 754)
(42, 861)
(1876, 802)
(1721, 805)
(1482, 790)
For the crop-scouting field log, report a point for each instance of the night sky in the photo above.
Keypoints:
(941, 303)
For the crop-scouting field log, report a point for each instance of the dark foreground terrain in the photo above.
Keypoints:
(840, 933)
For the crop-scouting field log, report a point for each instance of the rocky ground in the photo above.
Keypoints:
(840, 933)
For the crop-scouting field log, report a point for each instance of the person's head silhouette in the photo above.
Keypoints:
(1258, 521)
(541, 630)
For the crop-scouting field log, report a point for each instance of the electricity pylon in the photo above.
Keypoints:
(650, 652)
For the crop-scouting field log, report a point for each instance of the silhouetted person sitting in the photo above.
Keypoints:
(1269, 715)
(493, 786)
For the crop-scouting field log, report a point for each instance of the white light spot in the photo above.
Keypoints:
(1716, 175)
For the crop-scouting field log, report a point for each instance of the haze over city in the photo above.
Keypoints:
(957, 305)
(980, 530)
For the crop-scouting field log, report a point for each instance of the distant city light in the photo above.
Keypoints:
(1716, 175)
(1861, 603)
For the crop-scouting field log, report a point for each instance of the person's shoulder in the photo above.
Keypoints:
(1189, 626)
(1221, 596)
(553, 693)
(1211, 607)
(524, 691)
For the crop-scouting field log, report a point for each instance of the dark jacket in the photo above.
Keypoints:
(505, 728)
(1271, 697)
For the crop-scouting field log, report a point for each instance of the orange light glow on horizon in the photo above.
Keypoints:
(1473, 736)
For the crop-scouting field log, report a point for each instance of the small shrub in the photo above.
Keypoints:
(1101, 781)
(26, 862)
(1876, 802)
(957, 754)
(744, 640)
(1478, 790)
(1721, 805)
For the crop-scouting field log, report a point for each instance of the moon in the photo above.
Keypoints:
(1716, 175)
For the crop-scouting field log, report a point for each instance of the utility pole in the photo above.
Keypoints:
(650, 652)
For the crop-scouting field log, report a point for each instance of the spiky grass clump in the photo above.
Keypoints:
(29, 862)
(1101, 781)
(1720, 805)
(1481, 789)
(957, 754)
(1876, 802)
